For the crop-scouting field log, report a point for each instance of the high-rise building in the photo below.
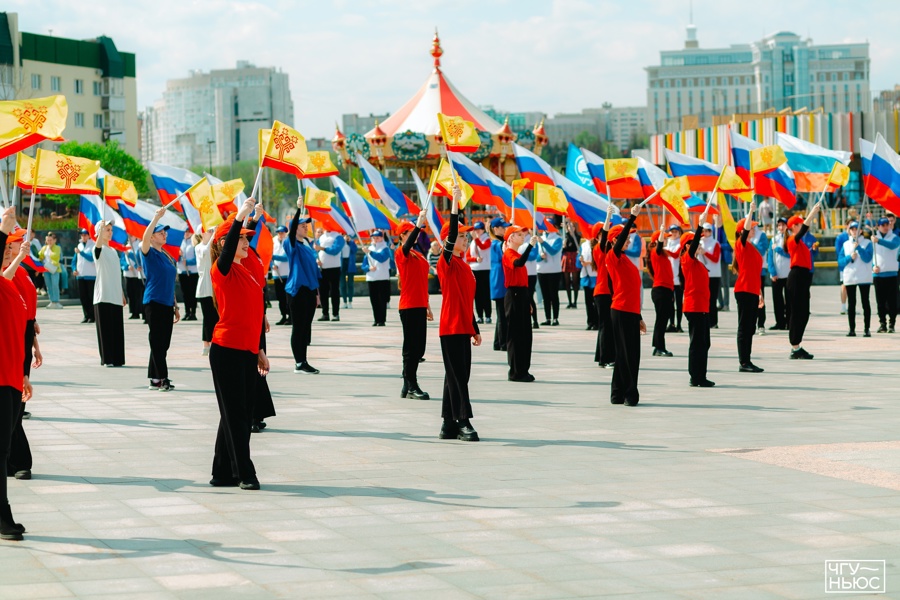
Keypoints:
(214, 118)
(620, 125)
(780, 71)
(518, 121)
(97, 80)
(888, 100)
(360, 124)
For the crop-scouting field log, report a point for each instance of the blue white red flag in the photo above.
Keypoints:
(381, 188)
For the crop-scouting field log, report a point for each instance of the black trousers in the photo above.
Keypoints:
(415, 332)
(550, 289)
(589, 307)
(10, 407)
(110, 333)
(263, 406)
(605, 352)
(761, 312)
(160, 320)
(330, 288)
(571, 282)
(675, 320)
(714, 283)
(456, 351)
(283, 306)
(134, 289)
(501, 326)
(19, 449)
(234, 377)
(532, 284)
(798, 283)
(851, 305)
(483, 306)
(210, 318)
(664, 305)
(626, 329)
(86, 296)
(747, 307)
(698, 349)
(779, 302)
(188, 283)
(519, 333)
(379, 296)
(29, 347)
(303, 309)
(886, 299)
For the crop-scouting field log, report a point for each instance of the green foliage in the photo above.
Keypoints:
(45, 224)
(113, 158)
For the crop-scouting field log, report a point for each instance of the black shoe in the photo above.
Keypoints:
(555, 322)
(891, 329)
(750, 368)
(252, 484)
(166, 386)
(379, 324)
(305, 367)
(336, 318)
(631, 402)
(867, 333)
(522, 379)
(882, 329)
(616, 401)
(480, 321)
(611, 365)
(706, 383)
(466, 432)
(154, 386)
(404, 390)
(800, 354)
(26, 415)
(23, 474)
(535, 325)
(679, 330)
(662, 353)
(9, 529)
(324, 318)
(262, 425)
(670, 329)
(254, 428)
(85, 320)
(449, 430)
(547, 322)
(422, 359)
(417, 394)
(224, 482)
(282, 320)
(851, 334)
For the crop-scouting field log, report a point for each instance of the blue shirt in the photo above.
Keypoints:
(304, 268)
(159, 271)
(498, 280)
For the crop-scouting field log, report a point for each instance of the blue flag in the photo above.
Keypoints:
(576, 169)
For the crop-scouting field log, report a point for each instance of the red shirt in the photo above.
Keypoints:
(696, 284)
(27, 291)
(12, 335)
(800, 255)
(412, 272)
(662, 269)
(626, 283)
(239, 300)
(749, 263)
(515, 276)
(601, 288)
(458, 292)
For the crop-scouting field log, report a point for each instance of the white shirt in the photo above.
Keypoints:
(476, 252)
(326, 240)
(708, 245)
(886, 258)
(204, 266)
(382, 269)
(187, 253)
(782, 263)
(108, 286)
(587, 260)
(857, 271)
(280, 268)
(85, 267)
(553, 262)
(673, 245)
(531, 263)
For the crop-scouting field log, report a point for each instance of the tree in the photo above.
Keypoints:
(113, 159)
(589, 141)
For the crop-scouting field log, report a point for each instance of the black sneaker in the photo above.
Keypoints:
(867, 333)
(750, 368)
(154, 385)
(417, 394)
(466, 432)
(480, 321)
(336, 318)
(891, 329)
(305, 367)
(706, 383)
(662, 353)
(449, 430)
(324, 318)
(27, 415)
(224, 482)
(545, 323)
(555, 322)
(251, 484)
(166, 386)
(23, 474)
(882, 329)
(800, 354)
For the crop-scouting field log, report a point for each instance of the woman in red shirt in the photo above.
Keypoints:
(696, 305)
(747, 289)
(799, 281)
(663, 291)
(235, 356)
(517, 304)
(625, 314)
(415, 310)
(605, 353)
(458, 330)
(14, 385)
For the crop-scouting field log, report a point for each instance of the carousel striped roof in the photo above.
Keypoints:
(419, 114)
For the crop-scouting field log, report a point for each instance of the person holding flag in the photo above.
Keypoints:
(109, 299)
(377, 265)
(855, 262)
(458, 330)
(415, 308)
(160, 307)
(202, 243)
(799, 280)
(625, 312)
(235, 356)
(134, 278)
(711, 257)
(86, 272)
(549, 271)
(605, 352)
(748, 259)
(188, 276)
(673, 246)
(498, 282)
(696, 304)
(517, 303)
(479, 259)
(329, 246)
(302, 287)
(281, 269)
(779, 266)
(885, 275)
(663, 291)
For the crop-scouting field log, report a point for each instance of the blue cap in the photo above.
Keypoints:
(84, 232)
(674, 228)
(884, 221)
(499, 222)
(781, 220)
(479, 225)
(304, 220)
(160, 227)
(281, 229)
(853, 224)
(377, 232)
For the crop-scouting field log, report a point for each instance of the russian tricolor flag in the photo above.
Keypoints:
(92, 209)
(136, 219)
(884, 176)
(702, 175)
(263, 244)
(585, 207)
(433, 217)
(623, 188)
(171, 182)
(650, 177)
(471, 172)
(364, 214)
(533, 166)
(518, 212)
(778, 184)
(334, 219)
(811, 164)
(389, 194)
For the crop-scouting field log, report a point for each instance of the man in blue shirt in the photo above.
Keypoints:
(302, 286)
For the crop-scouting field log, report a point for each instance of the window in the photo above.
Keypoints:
(79, 86)
(98, 89)
(55, 83)
(35, 82)
(79, 119)
(98, 121)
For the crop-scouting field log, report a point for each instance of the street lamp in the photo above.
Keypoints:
(209, 144)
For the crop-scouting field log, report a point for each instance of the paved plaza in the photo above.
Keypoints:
(741, 491)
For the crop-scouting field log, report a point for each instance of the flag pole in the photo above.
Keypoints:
(37, 164)
(6, 202)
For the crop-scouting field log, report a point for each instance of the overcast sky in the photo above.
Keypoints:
(362, 56)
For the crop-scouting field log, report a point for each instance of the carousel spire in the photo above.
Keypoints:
(436, 51)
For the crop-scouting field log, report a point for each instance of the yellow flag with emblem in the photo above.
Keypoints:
(201, 197)
(316, 198)
(319, 164)
(840, 174)
(728, 222)
(549, 198)
(518, 185)
(286, 150)
(731, 183)
(672, 195)
(60, 174)
(459, 135)
(227, 191)
(766, 159)
(442, 182)
(620, 168)
(24, 171)
(116, 188)
(24, 123)
(264, 135)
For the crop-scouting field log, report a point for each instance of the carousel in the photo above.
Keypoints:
(411, 138)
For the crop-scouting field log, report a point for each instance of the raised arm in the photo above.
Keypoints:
(626, 231)
(695, 243)
(148, 233)
(447, 254)
(413, 236)
(523, 258)
(226, 258)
